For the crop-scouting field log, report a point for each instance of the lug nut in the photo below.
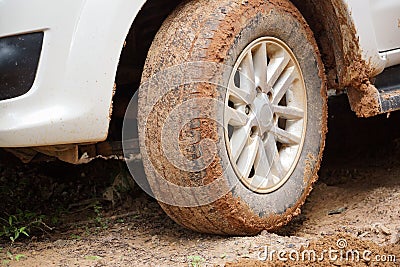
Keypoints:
(247, 110)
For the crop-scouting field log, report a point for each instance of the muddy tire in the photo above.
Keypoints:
(265, 156)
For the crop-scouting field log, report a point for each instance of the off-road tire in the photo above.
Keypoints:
(218, 31)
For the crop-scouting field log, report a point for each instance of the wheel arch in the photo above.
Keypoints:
(335, 34)
(134, 48)
(348, 61)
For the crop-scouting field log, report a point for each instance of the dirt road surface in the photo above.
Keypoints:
(90, 215)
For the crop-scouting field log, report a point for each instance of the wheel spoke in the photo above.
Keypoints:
(261, 65)
(244, 96)
(274, 179)
(262, 166)
(283, 84)
(289, 113)
(235, 117)
(247, 157)
(273, 156)
(247, 74)
(239, 140)
(258, 181)
(285, 137)
(275, 69)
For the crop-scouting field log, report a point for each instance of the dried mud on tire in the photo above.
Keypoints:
(204, 31)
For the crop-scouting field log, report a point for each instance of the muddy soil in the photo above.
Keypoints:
(90, 215)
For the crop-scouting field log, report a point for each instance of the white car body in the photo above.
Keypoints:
(378, 26)
(71, 98)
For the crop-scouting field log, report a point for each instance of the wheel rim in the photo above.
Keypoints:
(265, 115)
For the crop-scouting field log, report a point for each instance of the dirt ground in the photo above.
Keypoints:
(90, 215)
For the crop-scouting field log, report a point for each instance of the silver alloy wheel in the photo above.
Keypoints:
(265, 114)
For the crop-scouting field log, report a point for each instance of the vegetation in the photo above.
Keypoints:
(21, 224)
(196, 261)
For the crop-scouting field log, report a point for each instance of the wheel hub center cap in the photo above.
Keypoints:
(263, 114)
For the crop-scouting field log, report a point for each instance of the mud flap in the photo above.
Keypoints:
(382, 97)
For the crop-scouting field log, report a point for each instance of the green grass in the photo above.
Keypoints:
(196, 261)
(93, 258)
